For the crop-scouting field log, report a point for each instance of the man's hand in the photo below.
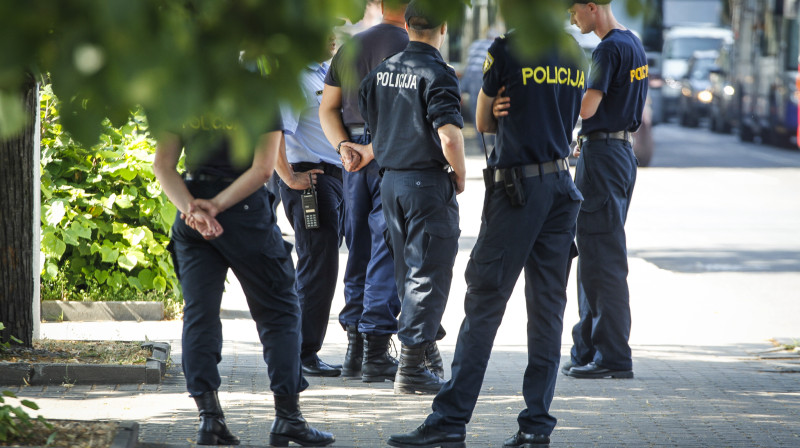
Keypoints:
(458, 181)
(202, 217)
(577, 151)
(201, 221)
(350, 157)
(301, 180)
(357, 156)
(501, 104)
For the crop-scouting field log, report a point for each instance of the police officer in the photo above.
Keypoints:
(371, 302)
(307, 158)
(529, 214)
(416, 90)
(606, 173)
(225, 220)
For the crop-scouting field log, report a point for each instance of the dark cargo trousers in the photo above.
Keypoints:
(606, 175)
(370, 294)
(422, 222)
(252, 247)
(317, 259)
(537, 237)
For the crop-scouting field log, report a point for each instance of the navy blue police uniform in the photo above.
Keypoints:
(371, 300)
(317, 248)
(416, 90)
(530, 207)
(252, 247)
(606, 174)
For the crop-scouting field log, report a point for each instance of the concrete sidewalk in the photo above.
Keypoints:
(698, 382)
(682, 396)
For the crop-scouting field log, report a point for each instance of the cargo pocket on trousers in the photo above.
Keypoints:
(388, 241)
(485, 268)
(441, 242)
(595, 216)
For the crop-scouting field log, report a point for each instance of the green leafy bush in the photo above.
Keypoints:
(105, 219)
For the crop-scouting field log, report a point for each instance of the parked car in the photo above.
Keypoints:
(696, 96)
(680, 43)
(724, 114)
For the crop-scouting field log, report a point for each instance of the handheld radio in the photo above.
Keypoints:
(310, 209)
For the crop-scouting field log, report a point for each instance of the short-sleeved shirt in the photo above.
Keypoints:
(367, 49)
(405, 100)
(207, 147)
(305, 140)
(620, 71)
(546, 94)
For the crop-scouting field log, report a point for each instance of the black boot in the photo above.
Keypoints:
(290, 426)
(378, 364)
(428, 437)
(433, 360)
(213, 430)
(355, 353)
(412, 375)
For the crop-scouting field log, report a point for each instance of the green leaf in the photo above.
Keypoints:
(134, 236)
(29, 404)
(146, 278)
(127, 261)
(155, 248)
(124, 200)
(51, 271)
(133, 281)
(160, 283)
(8, 393)
(52, 245)
(109, 254)
(55, 212)
(101, 276)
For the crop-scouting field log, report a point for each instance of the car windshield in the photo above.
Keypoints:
(702, 68)
(684, 47)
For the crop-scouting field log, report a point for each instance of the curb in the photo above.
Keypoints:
(60, 310)
(127, 435)
(39, 374)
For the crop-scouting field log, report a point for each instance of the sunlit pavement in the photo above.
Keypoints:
(714, 275)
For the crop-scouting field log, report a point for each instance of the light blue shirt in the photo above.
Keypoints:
(305, 141)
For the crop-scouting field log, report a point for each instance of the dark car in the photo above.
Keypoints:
(696, 96)
(724, 114)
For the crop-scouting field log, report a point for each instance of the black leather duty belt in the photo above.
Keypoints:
(200, 177)
(327, 168)
(619, 135)
(535, 169)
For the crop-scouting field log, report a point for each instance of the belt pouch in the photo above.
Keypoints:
(512, 181)
(488, 179)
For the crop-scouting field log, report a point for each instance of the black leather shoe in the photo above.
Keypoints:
(524, 440)
(318, 367)
(566, 366)
(428, 437)
(593, 371)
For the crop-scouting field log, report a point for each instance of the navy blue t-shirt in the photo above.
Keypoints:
(207, 147)
(620, 71)
(545, 96)
(356, 58)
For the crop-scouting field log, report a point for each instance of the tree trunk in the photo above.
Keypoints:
(17, 220)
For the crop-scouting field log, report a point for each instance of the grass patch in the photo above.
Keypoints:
(79, 352)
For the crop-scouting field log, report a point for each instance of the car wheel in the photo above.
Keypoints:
(746, 133)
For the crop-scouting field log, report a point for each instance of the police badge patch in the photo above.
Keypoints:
(487, 64)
